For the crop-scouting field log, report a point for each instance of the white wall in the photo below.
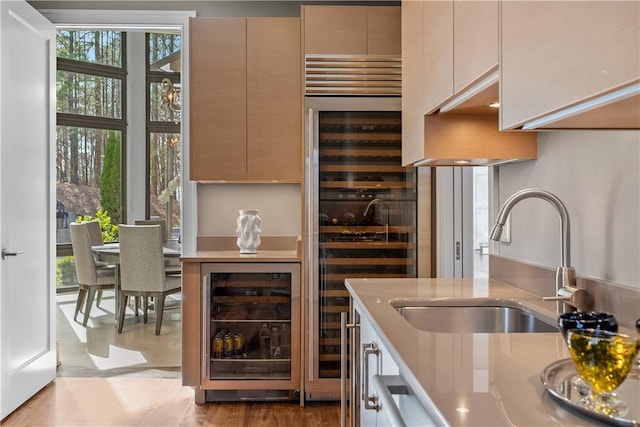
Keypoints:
(280, 208)
(596, 175)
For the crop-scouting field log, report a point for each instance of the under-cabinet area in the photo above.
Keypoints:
(241, 335)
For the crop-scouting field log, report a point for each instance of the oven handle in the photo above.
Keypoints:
(386, 402)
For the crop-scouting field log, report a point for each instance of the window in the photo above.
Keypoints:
(163, 127)
(91, 133)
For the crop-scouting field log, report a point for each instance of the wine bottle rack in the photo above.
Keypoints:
(359, 166)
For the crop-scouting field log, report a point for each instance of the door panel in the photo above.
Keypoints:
(27, 337)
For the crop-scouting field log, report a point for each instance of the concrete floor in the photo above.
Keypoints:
(99, 351)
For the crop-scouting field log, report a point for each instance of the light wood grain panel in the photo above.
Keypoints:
(335, 29)
(412, 82)
(438, 53)
(218, 98)
(156, 402)
(475, 35)
(383, 30)
(554, 54)
(274, 100)
(475, 136)
(623, 114)
(191, 309)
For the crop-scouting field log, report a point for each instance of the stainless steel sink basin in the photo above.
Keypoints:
(472, 316)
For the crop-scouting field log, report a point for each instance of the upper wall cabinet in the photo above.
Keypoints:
(412, 82)
(246, 101)
(460, 54)
(450, 75)
(570, 65)
(354, 30)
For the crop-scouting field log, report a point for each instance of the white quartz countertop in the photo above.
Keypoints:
(496, 377)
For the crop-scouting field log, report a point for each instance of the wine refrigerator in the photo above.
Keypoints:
(360, 219)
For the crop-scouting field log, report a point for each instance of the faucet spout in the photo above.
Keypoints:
(565, 274)
(527, 193)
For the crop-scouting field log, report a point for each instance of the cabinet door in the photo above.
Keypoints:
(274, 100)
(383, 30)
(335, 29)
(412, 82)
(554, 54)
(218, 99)
(475, 35)
(438, 53)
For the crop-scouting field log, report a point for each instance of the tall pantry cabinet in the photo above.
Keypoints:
(246, 101)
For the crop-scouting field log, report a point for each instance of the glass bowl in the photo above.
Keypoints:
(603, 360)
(587, 320)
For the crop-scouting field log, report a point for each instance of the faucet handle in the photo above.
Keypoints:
(578, 298)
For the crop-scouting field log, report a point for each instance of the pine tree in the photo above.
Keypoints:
(110, 178)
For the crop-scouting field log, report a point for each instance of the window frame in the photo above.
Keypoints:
(156, 126)
(106, 123)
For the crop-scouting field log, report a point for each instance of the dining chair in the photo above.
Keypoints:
(142, 270)
(91, 277)
(160, 222)
(171, 265)
(95, 236)
(95, 233)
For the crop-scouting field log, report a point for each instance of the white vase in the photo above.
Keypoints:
(248, 231)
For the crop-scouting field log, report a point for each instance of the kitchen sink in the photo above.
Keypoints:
(471, 315)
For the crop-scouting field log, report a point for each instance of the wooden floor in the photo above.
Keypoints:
(133, 379)
(158, 402)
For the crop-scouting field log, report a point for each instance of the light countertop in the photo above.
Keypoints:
(236, 256)
(495, 376)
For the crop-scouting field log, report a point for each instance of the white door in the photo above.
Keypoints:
(454, 220)
(27, 123)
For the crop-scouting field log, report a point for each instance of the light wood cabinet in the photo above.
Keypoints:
(218, 99)
(355, 30)
(561, 55)
(450, 61)
(460, 50)
(475, 35)
(412, 82)
(274, 100)
(246, 101)
(438, 53)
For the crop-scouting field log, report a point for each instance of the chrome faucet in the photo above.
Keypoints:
(386, 206)
(566, 289)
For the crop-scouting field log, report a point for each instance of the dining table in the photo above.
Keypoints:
(110, 254)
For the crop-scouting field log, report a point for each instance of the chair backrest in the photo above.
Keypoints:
(160, 222)
(85, 262)
(141, 258)
(95, 233)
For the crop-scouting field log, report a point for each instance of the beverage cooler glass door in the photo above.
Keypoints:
(360, 218)
(251, 325)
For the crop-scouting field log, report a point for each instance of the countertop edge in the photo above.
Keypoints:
(236, 256)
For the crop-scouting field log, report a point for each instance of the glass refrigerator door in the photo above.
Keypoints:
(366, 207)
(250, 326)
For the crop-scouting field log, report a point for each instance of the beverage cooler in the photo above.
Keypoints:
(250, 330)
(360, 219)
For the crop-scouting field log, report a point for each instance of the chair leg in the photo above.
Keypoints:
(146, 307)
(137, 304)
(123, 307)
(159, 312)
(87, 308)
(99, 299)
(82, 295)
